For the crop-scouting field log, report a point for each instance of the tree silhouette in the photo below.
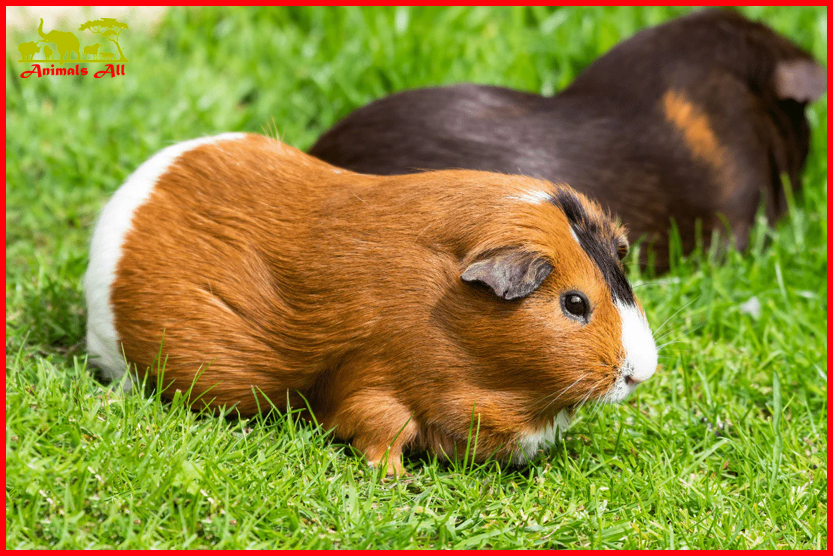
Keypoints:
(108, 28)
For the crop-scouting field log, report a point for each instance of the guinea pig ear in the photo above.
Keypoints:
(511, 275)
(622, 247)
(800, 79)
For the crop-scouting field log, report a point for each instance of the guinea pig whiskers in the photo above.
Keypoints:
(657, 282)
(585, 398)
(597, 404)
(678, 339)
(664, 340)
(677, 328)
(672, 330)
(672, 356)
(675, 314)
(563, 391)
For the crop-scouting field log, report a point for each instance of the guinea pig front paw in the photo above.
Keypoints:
(380, 453)
(393, 465)
(378, 425)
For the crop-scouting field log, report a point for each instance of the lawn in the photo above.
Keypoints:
(726, 447)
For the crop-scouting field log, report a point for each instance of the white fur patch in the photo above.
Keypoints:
(640, 361)
(533, 197)
(530, 443)
(105, 251)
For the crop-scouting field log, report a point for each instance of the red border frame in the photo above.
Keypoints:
(5, 161)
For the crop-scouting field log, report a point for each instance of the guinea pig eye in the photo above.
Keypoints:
(575, 306)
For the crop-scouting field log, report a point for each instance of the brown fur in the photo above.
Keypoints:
(266, 268)
(707, 154)
(698, 134)
(695, 126)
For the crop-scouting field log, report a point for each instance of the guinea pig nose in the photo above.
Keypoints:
(631, 380)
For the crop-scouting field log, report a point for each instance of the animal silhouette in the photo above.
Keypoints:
(28, 50)
(92, 49)
(47, 53)
(108, 56)
(110, 29)
(65, 42)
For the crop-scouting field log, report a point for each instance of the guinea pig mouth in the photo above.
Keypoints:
(622, 388)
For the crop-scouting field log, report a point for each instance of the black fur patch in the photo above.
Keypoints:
(600, 241)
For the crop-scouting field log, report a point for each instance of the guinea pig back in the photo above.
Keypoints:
(396, 306)
(693, 120)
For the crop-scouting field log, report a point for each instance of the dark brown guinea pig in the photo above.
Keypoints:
(396, 306)
(687, 120)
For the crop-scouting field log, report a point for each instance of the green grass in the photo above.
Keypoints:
(726, 447)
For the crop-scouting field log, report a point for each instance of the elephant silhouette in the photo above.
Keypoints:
(28, 50)
(47, 53)
(93, 49)
(108, 56)
(65, 42)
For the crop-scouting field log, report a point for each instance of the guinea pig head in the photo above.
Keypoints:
(546, 311)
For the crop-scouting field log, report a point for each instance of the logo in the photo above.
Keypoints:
(64, 47)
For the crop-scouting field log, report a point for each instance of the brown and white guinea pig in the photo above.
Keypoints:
(695, 119)
(396, 306)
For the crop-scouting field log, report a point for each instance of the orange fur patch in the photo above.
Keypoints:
(268, 270)
(695, 127)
